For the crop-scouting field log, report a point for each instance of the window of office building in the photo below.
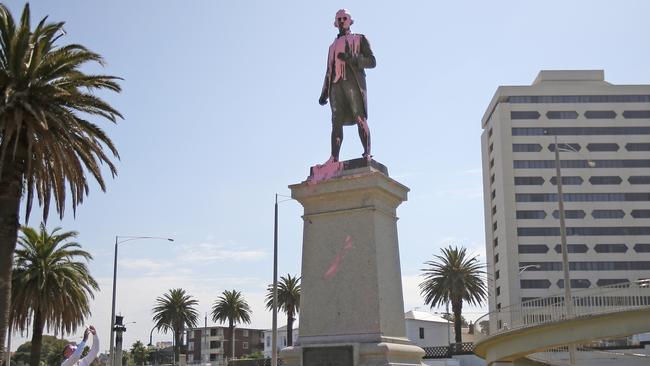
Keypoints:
(495, 242)
(213, 332)
(532, 248)
(421, 333)
(245, 332)
(640, 214)
(564, 147)
(561, 114)
(496, 258)
(610, 248)
(567, 181)
(535, 283)
(607, 214)
(524, 115)
(579, 131)
(268, 341)
(639, 179)
(529, 181)
(213, 356)
(494, 226)
(494, 210)
(215, 344)
(570, 214)
(603, 163)
(572, 248)
(605, 180)
(611, 281)
(244, 345)
(583, 197)
(602, 147)
(591, 265)
(546, 99)
(526, 147)
(496, 274)
(637, 146)
(498, 291)
(531, 214)
(600, 114)
(585, 231)
(636, 114)
(642, 248)
(575, 283)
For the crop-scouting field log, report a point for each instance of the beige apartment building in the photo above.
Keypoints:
(603, 131)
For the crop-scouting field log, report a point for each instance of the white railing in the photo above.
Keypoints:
(598, 300)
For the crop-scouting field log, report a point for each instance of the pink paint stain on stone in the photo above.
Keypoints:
(325, 171)
(336, 263)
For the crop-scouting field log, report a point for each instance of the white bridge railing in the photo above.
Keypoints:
(598, 300)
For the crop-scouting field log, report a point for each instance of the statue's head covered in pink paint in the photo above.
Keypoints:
(343, 19)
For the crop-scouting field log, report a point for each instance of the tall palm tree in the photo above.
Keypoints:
(51, 284)
(233, 308)
(453, 278)
(47, 144)
(288, 301)
(173, 311)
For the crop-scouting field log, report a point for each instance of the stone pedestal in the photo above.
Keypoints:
(352, 310)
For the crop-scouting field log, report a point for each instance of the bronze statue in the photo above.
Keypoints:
(345, 84)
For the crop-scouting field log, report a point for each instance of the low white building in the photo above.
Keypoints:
(426, 329)
(281, 341)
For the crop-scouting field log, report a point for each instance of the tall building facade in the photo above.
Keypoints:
(603, 132)
(214, 344)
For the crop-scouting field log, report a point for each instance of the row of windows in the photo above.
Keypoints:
(582, 248)
(584, 231)
(576, 180)
(580, 214)
(583, 197)
(577, 131)
(589, 266)
(631, 146)
(575, 283)
(515, 115)
(530, 99)
(602, 163)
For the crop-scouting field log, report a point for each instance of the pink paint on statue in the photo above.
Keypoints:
(347, 43)
(325, 171)
(336, 263)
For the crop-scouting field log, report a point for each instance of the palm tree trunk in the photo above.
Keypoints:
(37, 340)
(177, 346)
(10, 193)
(231, 326)
(289, 328)
(457, 309)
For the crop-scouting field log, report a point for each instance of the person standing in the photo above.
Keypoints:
(72, 352)
(345, 84)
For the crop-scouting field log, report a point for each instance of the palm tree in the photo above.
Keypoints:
(288, 301)
(173, 311)
(47, 146)
(50, 284)
(139, 353)
(233, 308)
(453, 277)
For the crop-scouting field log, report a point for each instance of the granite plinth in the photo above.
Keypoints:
(351, 280)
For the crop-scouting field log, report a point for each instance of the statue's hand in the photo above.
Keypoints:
(322, 100)
(344, 56)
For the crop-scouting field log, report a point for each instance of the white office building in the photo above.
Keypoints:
(603, 131)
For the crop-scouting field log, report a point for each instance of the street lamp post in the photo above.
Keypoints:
(568, 302)
(274, 326)
(111, 357)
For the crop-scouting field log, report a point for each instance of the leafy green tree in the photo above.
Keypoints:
(51, 284)
(51, 351)
(233, 308)
(139, 353)
(173, 311)
(48, 147)
(453, 278)
(288, 301)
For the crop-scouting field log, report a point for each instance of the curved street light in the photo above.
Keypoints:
(120, 240)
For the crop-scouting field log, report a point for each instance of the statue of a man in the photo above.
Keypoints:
(345, 83)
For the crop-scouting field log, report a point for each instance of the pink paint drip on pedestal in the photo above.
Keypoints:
(336, 263)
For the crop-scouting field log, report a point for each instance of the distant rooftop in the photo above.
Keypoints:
(569, 75)
(425, 316)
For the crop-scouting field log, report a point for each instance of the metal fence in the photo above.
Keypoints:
(593, 301)
(465, 348)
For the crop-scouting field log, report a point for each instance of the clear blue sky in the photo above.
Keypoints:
(220, 105)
